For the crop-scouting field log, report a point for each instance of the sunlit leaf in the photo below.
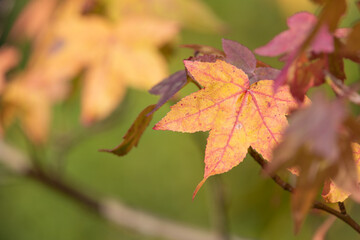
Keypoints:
(239, 114)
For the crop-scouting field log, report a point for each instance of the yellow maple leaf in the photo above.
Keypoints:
(112, 44)
(237, 113)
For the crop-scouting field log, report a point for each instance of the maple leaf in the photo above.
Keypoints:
(317, 144)
(241, 57)
(109, 52)
(237, 113)
(133, 135)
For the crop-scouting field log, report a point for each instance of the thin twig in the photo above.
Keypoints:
(108, 209)
(262, 162)
(317, 205)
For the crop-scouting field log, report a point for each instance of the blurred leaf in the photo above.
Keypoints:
(110, 53)
(315, 144)
(300, 25)
(353, 40)
(332, 13)
(34, 18)
(31, 105)
(133, 135)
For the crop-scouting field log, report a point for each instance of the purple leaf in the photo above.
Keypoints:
(266, 73)
(239, 56)
(168, 87)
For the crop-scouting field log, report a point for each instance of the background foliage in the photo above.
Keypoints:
(160, 176)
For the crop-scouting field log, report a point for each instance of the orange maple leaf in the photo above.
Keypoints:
(238, 113)
(111, 54)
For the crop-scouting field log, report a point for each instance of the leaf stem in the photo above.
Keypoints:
(342, 215)
(196, 83)
(342, 208)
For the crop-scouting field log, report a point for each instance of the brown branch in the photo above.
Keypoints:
(108, 209)
(317, 205)
(262, 162)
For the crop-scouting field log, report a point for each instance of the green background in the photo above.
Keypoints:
(160, 175)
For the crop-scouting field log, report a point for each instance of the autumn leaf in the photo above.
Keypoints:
(110, 53)
(133, 135)
(300, 25)
(319, 144)
(241, 57)
(353, 39)
(308, 48)
(333, 193)
(237, 113)
(168, 87)
(237, 55)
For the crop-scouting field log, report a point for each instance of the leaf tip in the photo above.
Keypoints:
(157, 127)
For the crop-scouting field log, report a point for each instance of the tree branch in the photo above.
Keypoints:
(317, 205)
(108, 209)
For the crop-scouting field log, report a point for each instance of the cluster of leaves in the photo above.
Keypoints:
(245, 103)
(100, 43)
